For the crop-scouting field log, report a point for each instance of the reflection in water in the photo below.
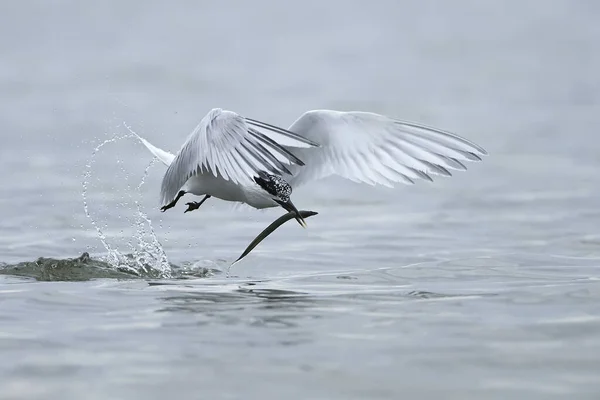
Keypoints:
(255, 304)
(249, 307)
(199, 302)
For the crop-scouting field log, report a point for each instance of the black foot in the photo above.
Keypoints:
(194, 205)
(172, 204)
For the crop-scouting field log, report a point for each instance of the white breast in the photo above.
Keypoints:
(207, 183)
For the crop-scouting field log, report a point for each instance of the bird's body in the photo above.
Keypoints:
(238, 159)
(207, 184)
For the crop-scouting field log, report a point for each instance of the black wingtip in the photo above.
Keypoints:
(282, 131)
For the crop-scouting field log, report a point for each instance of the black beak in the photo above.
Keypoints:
(289, 206)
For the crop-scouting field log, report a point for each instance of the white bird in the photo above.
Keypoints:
(239, 159)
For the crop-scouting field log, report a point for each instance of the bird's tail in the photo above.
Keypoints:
(162, 155)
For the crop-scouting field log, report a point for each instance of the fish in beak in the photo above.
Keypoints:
(271, 228)
(289, 206)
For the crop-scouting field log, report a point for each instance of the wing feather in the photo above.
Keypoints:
(375, 149)
(234, 148)
(285, 137)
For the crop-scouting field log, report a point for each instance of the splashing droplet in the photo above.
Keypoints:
(147, 255)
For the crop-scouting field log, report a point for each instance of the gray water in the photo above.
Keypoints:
(483, 285)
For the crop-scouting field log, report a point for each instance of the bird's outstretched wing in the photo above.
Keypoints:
(234, 148)
(374, 149)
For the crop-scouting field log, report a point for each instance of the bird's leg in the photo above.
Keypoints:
(194, 205)
(172, 204)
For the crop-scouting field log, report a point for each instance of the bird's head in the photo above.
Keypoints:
(280, 192)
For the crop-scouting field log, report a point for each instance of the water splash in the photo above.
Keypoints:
(113, 255)
(147, 256)
(152, 252)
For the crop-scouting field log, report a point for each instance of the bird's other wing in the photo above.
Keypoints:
(164, 156)
(234, 148)
(375, 149)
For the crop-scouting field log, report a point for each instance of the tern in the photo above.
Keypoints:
(239, 159)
